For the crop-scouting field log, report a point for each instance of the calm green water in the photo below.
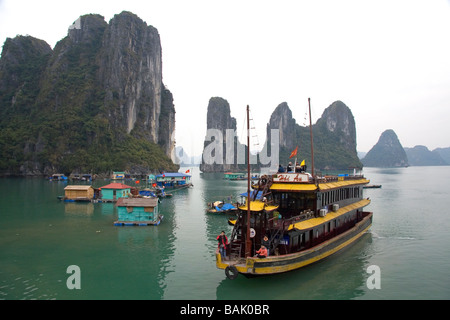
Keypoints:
(41, 236)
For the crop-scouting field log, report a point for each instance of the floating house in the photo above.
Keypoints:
(114, 191)
(138, 212)
(74, 193)
(118, 175)
(58, 177)
(174, 180)
(234, 176)
(82, 177)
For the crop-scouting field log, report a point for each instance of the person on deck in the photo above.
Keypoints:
(266, 243)
(222, 242)
(289, 167)
(262, 252)
(280, 169)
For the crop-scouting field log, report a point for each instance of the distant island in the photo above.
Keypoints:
(388, 152)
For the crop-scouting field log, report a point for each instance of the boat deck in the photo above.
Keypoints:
(139, 223)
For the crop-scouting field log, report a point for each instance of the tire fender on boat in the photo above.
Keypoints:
(231, 272)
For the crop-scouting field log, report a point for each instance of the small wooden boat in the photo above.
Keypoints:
(222, 207)
(372, 186)
(58, 177)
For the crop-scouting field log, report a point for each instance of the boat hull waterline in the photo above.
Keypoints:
(253, 266)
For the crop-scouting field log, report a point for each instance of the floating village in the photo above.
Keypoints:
(136, 205)
(284, 220)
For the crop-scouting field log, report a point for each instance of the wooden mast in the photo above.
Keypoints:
(248, 241)
(311, 136)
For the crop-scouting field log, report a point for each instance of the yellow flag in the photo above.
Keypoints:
(302, 164)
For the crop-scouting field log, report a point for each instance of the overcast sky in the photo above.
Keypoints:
(388, 61)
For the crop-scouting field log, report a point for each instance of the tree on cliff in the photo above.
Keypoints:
(95, 103)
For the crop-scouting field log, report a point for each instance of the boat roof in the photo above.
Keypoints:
(311, 223)
(343, 183)
(252, 193)
(321, 186)
(173, 174)
(258, 206)
(137, 202)
(294, 187)
(116, 185)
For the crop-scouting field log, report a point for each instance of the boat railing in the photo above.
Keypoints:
(280, 223)
(334, 178)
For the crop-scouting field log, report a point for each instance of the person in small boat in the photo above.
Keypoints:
(280, 169)
(262, 252)
(222, 243)
(298, 169)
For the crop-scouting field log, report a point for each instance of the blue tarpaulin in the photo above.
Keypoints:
(225, 207)
(252, 193)
(228, 206)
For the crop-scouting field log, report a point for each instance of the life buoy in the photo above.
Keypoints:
(231, 272)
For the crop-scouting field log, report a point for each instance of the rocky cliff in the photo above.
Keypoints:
(334, 137)
(387, 152)
(221, 146)
(95, 103)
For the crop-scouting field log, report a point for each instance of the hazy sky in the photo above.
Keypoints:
(388, 61)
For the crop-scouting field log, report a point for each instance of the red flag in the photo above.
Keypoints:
(187, 171)
(293, 153)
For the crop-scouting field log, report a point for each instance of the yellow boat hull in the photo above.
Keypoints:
(288, 262)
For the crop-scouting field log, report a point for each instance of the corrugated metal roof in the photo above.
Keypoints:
(77, 187)
(137, 202)
(173, 174)
(116, 185)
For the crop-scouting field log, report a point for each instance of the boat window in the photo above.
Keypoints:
(295, 241)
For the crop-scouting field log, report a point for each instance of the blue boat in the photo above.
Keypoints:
(222, 207)
(58, 177)
(173, 180)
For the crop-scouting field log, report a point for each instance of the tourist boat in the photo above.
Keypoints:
(234, 176)
(173, 180)
(58, 177)
(305, 217)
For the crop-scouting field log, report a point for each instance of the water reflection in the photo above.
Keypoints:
(341, 276)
